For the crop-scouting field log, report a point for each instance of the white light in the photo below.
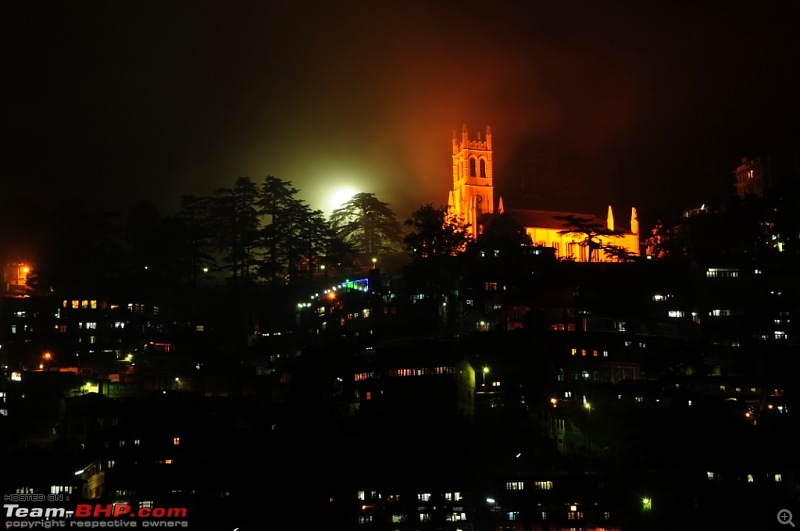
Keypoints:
(339, 197)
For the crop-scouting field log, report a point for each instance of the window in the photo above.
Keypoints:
(490, 286)
(719, 313)
(483, 168)
(515, 485)
(721, 272)
(472, 167)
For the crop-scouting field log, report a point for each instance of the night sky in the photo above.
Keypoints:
(646, 104)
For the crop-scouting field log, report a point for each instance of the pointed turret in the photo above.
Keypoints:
(500, 208)
(634, 221)
(610, 219)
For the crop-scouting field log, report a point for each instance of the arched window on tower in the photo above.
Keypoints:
(483, 167)
(472, 167)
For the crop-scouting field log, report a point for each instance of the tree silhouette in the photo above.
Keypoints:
(236, 224)
(278, 204)
(591, 232)
(195, 216)
(435, 232)
(368, 224)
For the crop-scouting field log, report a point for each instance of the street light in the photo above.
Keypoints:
(484, 371)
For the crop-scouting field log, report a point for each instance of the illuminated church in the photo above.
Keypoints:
(472, 198)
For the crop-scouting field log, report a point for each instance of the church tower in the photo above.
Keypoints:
(473, 191)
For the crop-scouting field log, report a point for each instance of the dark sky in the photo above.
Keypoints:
(646, 104)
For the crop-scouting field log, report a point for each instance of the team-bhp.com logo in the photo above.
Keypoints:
(93, 515)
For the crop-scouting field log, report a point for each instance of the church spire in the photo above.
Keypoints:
(610, 219)
(634, 221)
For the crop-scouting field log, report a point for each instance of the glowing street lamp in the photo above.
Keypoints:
(485, 370)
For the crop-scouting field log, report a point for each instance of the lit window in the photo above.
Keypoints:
(717, 272)
(515, 485)
(719, 313)
(176, 441)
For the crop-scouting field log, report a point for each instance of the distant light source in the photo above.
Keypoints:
(339, 197)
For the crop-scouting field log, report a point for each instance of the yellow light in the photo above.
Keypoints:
(339, 197)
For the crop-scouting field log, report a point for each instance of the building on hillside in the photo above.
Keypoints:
(753, 176)
(574, 236)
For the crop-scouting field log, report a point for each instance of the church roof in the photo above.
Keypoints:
(546, 219)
